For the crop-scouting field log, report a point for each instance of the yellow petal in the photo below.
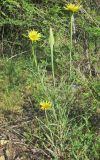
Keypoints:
(3, 142)
(2, 158)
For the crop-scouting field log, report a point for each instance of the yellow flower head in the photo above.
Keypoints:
(34, 35)
(45, 105)
(72, 7)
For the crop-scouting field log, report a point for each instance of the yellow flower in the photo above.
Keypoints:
(34, 35)
(72, 7)
(45, 105)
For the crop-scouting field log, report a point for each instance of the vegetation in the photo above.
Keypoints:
(50, 80)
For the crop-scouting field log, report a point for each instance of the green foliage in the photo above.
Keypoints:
(69, 130)
(95, 31)
(18, 17)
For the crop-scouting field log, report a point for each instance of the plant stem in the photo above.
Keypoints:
(52, 61)
(71, 43)
(46, 118)
(52, 41)
(34, 56)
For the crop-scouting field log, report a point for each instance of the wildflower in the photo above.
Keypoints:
(45, 105)
(72, 7)
(34, 35)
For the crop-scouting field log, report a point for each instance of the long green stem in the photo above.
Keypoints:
(46, 117)
(51, 41)
(52, 61)
(34, 56)
(71, 44)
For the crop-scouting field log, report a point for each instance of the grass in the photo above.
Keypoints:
(66, 131)
(69, 130)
